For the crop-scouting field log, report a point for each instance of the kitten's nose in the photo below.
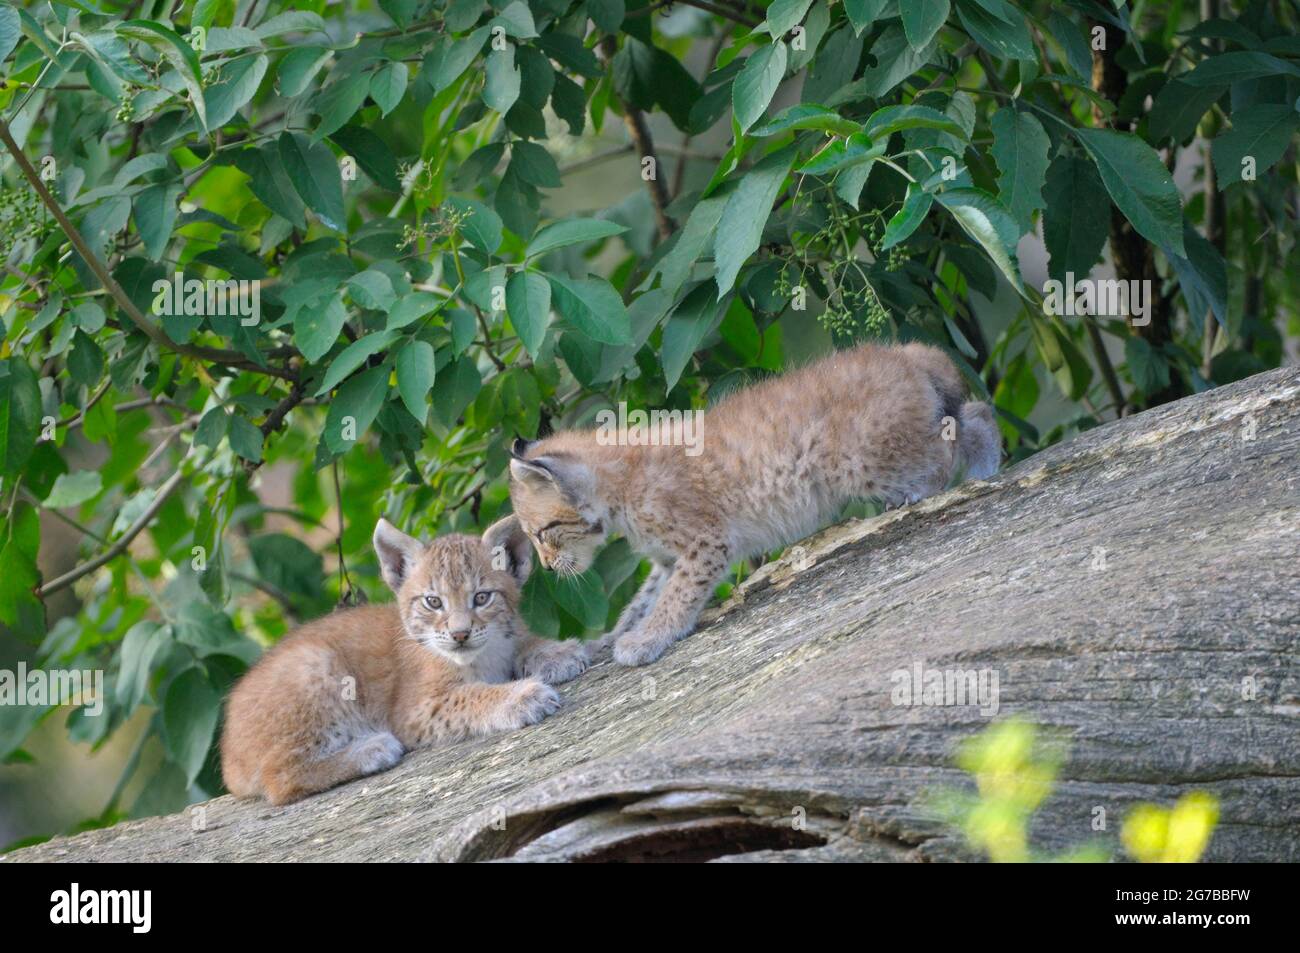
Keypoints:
(461, 637)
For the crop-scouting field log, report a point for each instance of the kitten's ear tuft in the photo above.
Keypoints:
(397, 553)
(530, 471)
(509, 548)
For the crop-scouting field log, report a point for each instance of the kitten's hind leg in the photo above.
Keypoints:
(291, 780)
(673, 617)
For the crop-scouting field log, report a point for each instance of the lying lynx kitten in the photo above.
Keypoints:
(348, 694)
(778, 460)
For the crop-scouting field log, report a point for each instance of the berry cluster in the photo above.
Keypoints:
(21, 216)
(444, 223)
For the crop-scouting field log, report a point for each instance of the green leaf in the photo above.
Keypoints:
(608, 15)
(269, 181)
(528, 302)
(1147, 366)
(85, 360)
(757, 83)
(416, 369)
(593, 306)
(372, 289)
(73, 489)
(1006, 38)
(339, 102)
(388, 86)
(908, 218)
(807, 116)
(989, 223)
(355, 408)
(1178, 108)
(862, 13)
(189, 720)
(501, 88)
(1203, 278)
(178, 54)
(315, 176)
(140, 647)
(1020, 148)
(481, 226)
(212, 427)
(372, 155)
(740, 229)
(155, 211)
(922, 20)
(292, 21)
(689, 244)
(583, 597)
(1074, 241)
(1228, 68)
(844, 153)
(516, 20)
(240, 79)
(534, 165)
(245, 438)
(784, 15)
(1260, 132)
(448, 60)
(891, 119)
(353, 356)
(1139, 184)
(457, 385)
(521, 402)
(20, 608)
(411, 308)
(317, 327)
(11, 30)
(895, 62)
(297, 69)
(695, 318)
(571, 231)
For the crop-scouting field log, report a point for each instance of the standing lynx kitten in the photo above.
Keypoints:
(778, 461)
(348, 694)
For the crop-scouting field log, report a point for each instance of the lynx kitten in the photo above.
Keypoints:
(348, 694)
(779, 460)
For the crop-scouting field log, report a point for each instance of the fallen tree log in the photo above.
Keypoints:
(1137, 589)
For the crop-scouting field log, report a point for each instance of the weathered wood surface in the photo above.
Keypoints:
(784, 702)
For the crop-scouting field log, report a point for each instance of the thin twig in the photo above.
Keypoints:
(153, 331)
(120, 546)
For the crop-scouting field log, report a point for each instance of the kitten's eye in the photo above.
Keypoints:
(482, 598)
(432, 602)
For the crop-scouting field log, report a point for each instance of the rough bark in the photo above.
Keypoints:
(782, 702)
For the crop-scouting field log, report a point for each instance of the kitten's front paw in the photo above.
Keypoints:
(555, 662)
(377, 753)
(532, 701)
(639, 648)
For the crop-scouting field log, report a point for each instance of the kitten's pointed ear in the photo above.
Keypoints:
(530, 471)
(519, 448)
(509, 548)
(397, 553)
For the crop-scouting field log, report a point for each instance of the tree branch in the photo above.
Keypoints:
(639, 131)
(160, 497)
(151, 330)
